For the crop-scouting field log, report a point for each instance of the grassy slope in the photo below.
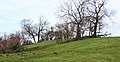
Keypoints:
(89, 50)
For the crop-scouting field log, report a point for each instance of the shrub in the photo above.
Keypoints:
(11, 44)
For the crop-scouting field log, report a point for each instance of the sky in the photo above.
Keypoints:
(13, 11)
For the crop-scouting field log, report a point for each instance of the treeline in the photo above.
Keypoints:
(82, 18)
(87, 15)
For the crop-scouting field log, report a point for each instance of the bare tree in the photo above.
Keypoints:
(65, 31)
(75, 11)
(29, 29)
(41, 27)
(59, 31)
(89, 25)
(34, 30)
(98, 12)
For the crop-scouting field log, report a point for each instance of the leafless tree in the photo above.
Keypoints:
(29, 29)
(75, 11)
(98, 12)
(34, 30)
(65, 31)
(41, 26)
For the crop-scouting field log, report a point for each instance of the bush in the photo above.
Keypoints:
(11, 44)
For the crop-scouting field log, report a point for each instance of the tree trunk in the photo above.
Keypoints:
(78, 35)
(39, 30)
(95, 30)
(34, 39)
(90, 29)
(95, 27)
(38, 36)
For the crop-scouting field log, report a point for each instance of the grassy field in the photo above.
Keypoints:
(88, 50)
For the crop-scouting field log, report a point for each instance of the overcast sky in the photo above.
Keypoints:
(13, 11)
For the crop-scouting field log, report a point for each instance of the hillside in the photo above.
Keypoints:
(88, 50)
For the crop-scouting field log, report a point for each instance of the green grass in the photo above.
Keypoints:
(88, 50)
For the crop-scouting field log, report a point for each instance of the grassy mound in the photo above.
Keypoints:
(88, 50)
